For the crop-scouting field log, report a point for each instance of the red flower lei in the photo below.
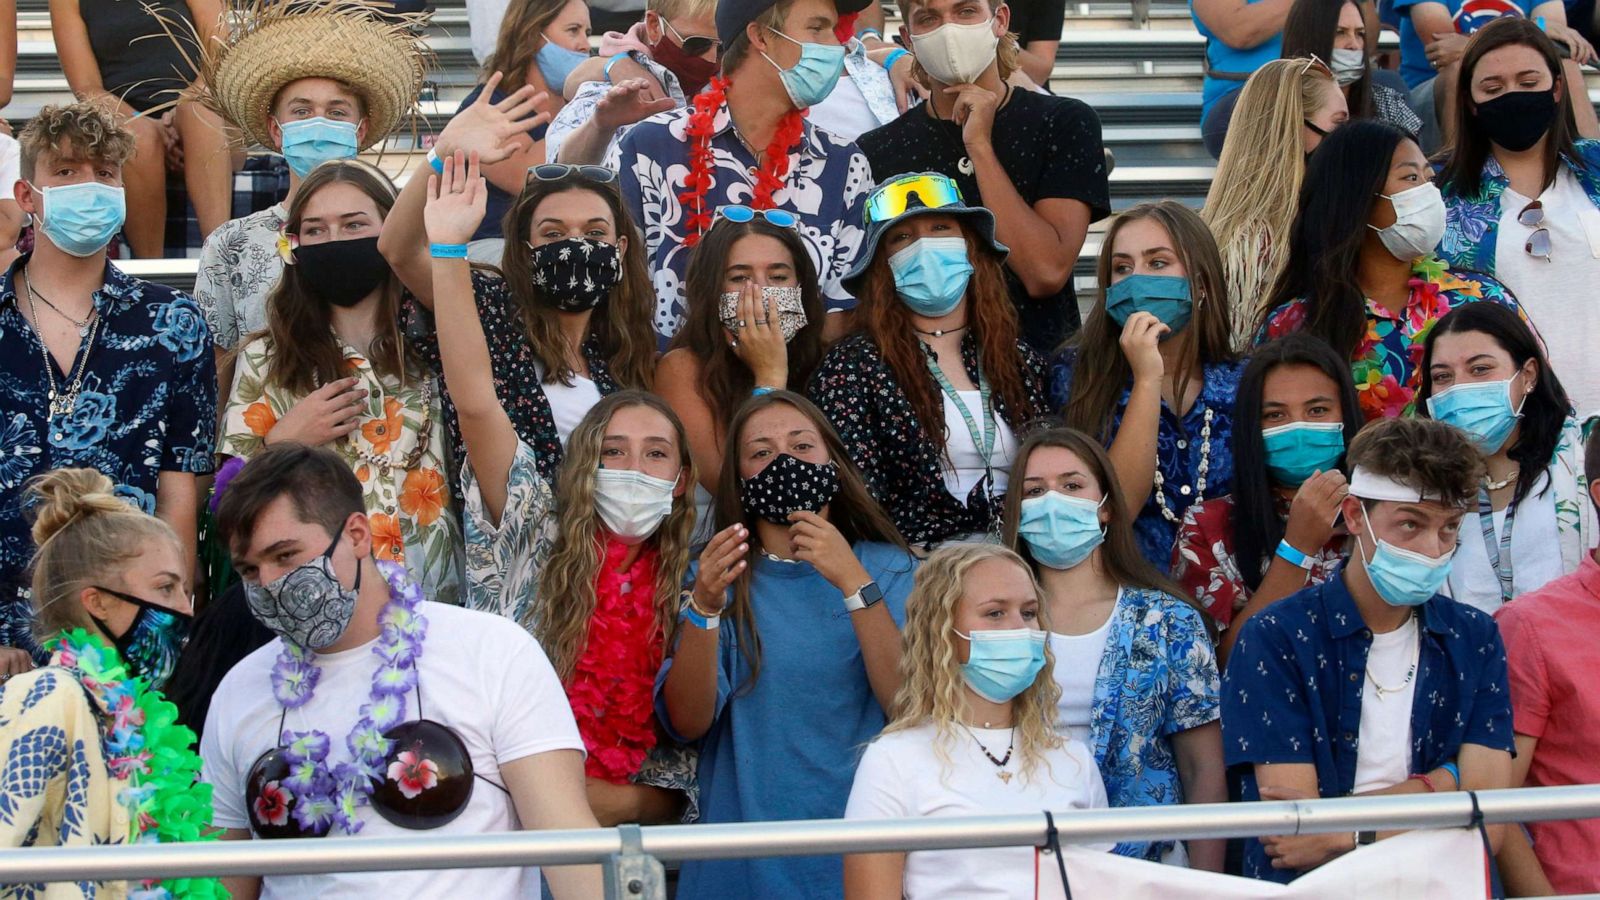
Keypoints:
(769, 177)
(613, 683)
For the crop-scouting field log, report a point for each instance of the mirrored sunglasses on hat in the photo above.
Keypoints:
(893, 197)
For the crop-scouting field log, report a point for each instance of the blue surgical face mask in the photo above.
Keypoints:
(307, 143)
(1002, 663)
(1482, 409)
(813, 77)
(931, 275)
(1298, 450)
(556, 63)
(1060, 531)
(1164, 296)
(81, 219)
(1402, 577)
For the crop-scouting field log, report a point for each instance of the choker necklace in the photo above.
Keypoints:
(34, 294)
(1001, 762)
(781, 559)
(940, 332)
(1500, 485)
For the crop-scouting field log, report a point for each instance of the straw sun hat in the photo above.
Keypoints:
(272, 43)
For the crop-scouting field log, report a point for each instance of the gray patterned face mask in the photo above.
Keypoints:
(785, 301)
(307, 606)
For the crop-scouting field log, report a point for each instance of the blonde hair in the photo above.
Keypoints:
(84, 533)
(682, 9)
(82, 130)
(932, 690)
(1256, 190)
(560, 614)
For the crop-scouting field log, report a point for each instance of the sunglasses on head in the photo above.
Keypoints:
(694, 45)
(1313, 61)
(743, 214)
(558, 171)
(893, 197)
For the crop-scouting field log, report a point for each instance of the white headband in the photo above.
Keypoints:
(1369, 485)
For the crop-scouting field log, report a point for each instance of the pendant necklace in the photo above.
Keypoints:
(1001, 762)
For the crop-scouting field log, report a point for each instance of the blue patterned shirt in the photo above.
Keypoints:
(1158, 677)
(147, 405)
(1179, 449)
(1292, 692)
(1472, 224)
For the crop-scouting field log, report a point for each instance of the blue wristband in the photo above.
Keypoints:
(613, 61)
(447, 251)
(1454, 773)
(761, 391)
(872, 31)
(435, 161)
(894, 57)
(1293, 557)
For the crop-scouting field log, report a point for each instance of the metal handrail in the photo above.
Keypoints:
(800, 838)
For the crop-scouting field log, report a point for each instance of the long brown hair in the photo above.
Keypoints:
(725, 380)
(1119, 553)
(305, 352)
(621, 323)
(1463, 167)
(1101, 370)
(561, 613)
(520, 39)
(991, 321)
(853, 511)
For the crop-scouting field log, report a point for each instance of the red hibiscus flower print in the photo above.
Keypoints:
(414, 773)
(272, 805)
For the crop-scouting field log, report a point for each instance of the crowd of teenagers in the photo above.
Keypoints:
(707, 433)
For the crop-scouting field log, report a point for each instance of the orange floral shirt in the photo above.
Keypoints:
(411, 507)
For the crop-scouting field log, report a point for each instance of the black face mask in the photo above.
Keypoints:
(342, 273)
(1516, 121)
(789, 484)
(575, 274)
(153, 641)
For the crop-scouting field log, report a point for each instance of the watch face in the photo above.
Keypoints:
(871, 593)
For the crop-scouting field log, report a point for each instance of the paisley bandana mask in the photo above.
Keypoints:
(308, 606)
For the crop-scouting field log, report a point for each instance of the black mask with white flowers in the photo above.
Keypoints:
(575, 274)
(789, 484)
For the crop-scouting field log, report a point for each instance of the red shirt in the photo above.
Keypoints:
(1552, 638)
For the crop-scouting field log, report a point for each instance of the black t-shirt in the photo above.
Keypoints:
(1049, 146)
(1037, 20)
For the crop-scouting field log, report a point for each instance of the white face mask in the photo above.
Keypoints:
(1348, 65)
(632, 504)
(956, 54)
(1418, 222)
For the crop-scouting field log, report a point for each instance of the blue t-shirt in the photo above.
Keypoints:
(787, 746)
(1222, 58)
(499, 201)
(1414, 65)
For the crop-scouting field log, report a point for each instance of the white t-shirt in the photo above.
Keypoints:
(1559, 295)
(1383, 746)
(901, 776)
(1077, 666)
(845, 111)
(962, 464)
(10, 166)
(1535, 552)
(569, 403)
(480, 675)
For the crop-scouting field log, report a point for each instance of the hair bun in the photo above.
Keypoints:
(62, 496)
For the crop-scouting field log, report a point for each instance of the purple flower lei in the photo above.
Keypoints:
(327, 795)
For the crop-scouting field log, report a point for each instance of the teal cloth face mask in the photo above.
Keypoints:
(1003, 663)
(931, 275)
(1403, 577)
(308, 143)
(1482, 409)
(1164, 296)
(1299, 450)
(1060, 531)
(813, 77)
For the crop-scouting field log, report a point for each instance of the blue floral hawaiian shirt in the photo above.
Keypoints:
(1292, 692)
(1158, 677)
(1179, 449)
(1472, 224)
(147, 405)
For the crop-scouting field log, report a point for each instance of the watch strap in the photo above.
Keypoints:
(865, 597)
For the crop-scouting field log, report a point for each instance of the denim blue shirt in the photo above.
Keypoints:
(147, 405)
(1472, 224)
(1158, 677)
(1292, 692)
(1179, 449)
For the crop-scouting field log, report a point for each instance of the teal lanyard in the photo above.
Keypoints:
(983, 438)
(1499, 556)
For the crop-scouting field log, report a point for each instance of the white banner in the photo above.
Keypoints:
(1446, 864)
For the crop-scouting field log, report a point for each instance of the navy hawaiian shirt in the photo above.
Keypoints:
(147, 405)
(1292, 692)
(1179, 449)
